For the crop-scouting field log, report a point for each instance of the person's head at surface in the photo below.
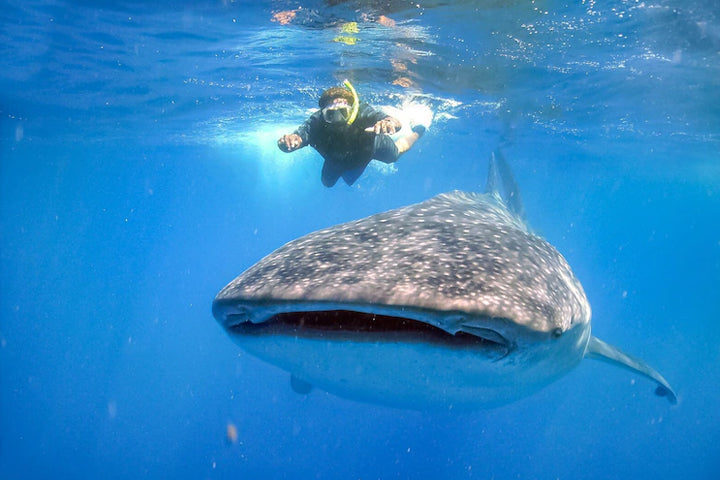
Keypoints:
(336, 106)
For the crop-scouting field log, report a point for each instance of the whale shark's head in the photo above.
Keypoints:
(450, 302)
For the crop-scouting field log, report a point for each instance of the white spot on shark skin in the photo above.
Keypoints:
(451, 303)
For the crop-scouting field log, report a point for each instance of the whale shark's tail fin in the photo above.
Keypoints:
(501, 182)
(600, 350)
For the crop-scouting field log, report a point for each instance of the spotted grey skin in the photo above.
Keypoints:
(451, 302)
(461, 252)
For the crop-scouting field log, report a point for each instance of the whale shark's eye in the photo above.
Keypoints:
(557, 333)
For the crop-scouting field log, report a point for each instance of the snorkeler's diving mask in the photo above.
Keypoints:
(337, 112)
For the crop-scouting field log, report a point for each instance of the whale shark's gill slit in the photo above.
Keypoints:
(366, 327)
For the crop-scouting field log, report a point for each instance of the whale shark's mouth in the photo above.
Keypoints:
(339, 325)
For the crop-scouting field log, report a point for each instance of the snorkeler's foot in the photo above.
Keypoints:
(419, 129)
(420, 118)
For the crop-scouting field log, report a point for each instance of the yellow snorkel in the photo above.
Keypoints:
(356, 102)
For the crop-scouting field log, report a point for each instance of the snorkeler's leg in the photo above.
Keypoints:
(404, 144)
(330, 174)
(420, 120)
(351, 175)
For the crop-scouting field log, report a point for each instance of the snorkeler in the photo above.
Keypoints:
(349, 134)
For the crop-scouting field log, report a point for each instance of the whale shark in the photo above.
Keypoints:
(451, 303)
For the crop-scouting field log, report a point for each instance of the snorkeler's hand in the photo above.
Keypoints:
(386, 126)
(289, 143)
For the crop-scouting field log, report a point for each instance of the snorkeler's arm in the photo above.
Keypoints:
(377, 121)
(388, 126)
(290, 142)
(299, 138)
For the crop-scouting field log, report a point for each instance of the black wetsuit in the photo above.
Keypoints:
(347, 149)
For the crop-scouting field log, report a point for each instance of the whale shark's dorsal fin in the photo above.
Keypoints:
(501, 182)
(600, 350)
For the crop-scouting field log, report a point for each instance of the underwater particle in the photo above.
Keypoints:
(231, 433)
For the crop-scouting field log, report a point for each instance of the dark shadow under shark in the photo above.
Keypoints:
(448, 303)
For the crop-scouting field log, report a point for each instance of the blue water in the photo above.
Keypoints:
(139, 174)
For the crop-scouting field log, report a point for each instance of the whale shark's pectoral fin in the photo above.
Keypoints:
(300, 386)
(600, 350)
